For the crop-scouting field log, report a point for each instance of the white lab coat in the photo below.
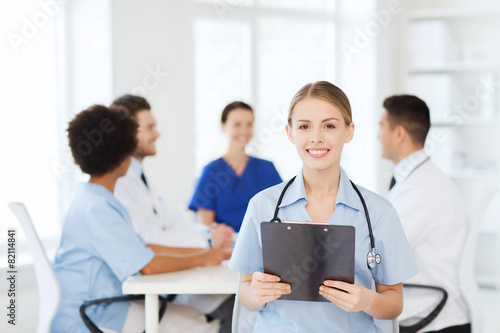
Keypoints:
(435, 222)
(163, 228)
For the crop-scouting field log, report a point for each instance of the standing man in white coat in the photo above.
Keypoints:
(152, 219)
(430, 208)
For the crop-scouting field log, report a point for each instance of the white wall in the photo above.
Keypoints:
(147, 38)
(88, 41)
(357, 76)
(84, 75)
(388, 82)
(152, 36)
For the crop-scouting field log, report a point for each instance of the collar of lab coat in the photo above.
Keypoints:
(408, 164)
(136, 166)
(346, 194)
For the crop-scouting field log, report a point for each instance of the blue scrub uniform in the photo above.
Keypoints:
(397, 263)
(99, 250)
(223, 192)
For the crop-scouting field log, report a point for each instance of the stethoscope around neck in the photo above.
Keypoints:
(372, 258)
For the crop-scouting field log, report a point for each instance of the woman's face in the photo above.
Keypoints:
(319, 132)
(239, 127)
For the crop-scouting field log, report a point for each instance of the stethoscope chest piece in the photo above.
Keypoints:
(373, 259)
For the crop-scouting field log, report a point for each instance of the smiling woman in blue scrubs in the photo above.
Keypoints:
(99, 248)
(319, 124)
(227, 184)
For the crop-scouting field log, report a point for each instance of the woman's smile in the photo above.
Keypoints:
(317, 152)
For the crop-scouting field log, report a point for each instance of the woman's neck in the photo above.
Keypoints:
(321, 183)
(236, 154)
(107, 180)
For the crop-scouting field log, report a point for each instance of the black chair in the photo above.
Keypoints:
(414, 324)
(94, 329)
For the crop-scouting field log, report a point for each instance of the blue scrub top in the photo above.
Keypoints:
(99, 250)
(397, 263)
(222, 191)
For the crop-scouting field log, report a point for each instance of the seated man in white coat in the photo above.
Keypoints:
(152, 219)
(430, 208)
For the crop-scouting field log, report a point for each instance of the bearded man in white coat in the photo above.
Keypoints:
(431, 211)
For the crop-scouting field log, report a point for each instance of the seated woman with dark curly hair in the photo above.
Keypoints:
(99, 248)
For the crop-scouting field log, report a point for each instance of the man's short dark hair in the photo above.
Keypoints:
(410, 112)
(132, 104)
(101, 138)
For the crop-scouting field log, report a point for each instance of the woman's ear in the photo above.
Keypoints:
(289, 133)
(350, 132)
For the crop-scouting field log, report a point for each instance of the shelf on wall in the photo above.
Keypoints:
(474, 174)
(488, 280)
(469, 122)
(490, 228)
(451, 67)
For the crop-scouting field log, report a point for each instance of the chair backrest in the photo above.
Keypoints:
(48, 286)
(387, 326)
(467, 279)
(244, 319)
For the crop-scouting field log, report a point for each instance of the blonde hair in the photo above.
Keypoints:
(325, 91)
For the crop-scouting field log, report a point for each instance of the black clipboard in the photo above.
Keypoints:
(307, 254)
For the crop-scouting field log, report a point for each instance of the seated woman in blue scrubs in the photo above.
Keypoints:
(319, 124)
(99, 248)
(227, 184)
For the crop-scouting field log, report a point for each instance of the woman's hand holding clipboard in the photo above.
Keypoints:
(268, 287)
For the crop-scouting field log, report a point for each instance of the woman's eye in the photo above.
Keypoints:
(303, 127)
(330, 126)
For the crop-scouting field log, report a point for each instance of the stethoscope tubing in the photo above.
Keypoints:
(373, 257)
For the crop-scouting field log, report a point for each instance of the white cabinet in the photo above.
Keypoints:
(452, 61)
(488, 248)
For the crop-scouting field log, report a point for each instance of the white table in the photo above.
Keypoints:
(199, 280)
